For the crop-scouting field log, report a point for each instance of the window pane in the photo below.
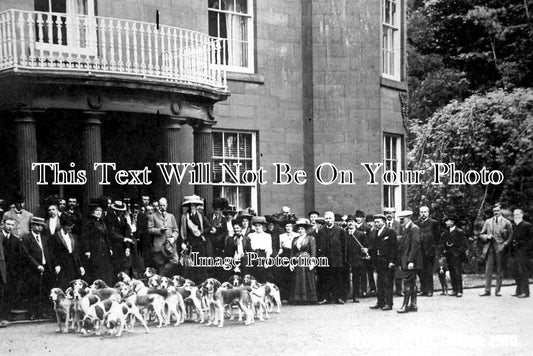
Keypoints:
(217, 144)
(393, 13)
(242, 6)
(245, 145)
(60, 6)
(387, 11)
(230, 145)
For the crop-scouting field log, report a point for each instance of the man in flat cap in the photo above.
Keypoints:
(453, 246)
(410, 252)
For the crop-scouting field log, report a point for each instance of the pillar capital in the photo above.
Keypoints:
(174, 123)
(202, 126)
(93, 117)
(25, 115)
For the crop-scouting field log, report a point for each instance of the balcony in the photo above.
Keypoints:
(78, 45)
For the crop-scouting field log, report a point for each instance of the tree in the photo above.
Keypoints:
(495, 131)
(460, 47)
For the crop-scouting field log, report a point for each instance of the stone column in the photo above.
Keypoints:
(203, 153)
(171, 140)
(26, 141)
(92, 145)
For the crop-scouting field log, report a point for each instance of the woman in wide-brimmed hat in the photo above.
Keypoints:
(244, 218)
(303, 282)
(96, 250)
(284, 250)
(261, 244)
(193, 227)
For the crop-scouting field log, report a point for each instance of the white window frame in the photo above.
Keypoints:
(391, 40)
(72, 47)
(394, 190)
(224, 158)
(248, 18)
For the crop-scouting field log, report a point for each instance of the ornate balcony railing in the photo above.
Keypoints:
(34, 40)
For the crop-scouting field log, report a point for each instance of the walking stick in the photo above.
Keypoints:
(40, 305)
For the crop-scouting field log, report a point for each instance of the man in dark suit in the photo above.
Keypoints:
(39, 267)
(430, 235)
(410, 251)
(11, 265)
(215, 241)
(63, 246)
(386, 254)
(356, 255)
(367, 278)
(237, 247)
(520, 251)
(453, 246)
(120, 238)
(52, 223)
(74, 211)
(331, 244)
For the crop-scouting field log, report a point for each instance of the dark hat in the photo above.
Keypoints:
(95, 203)
(67, 220)
(259, 220)
(118, 205)
(451, 217)
(369, 217)
(313, 212)
(18, 198)
(220, 203)
(230, 210)
(288, 221)
(320, 220)
(351, 217)
(338, 217)
(236, 222)
(243, 214)
(359, 213)
(380, 216)
(37, 221)
(302, 222)
(270, 219)
(51, 200)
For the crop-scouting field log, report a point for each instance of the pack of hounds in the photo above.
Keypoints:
(160, 300)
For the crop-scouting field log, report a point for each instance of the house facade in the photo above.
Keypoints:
(257, 89)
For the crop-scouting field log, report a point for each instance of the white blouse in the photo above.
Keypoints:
(261, 241)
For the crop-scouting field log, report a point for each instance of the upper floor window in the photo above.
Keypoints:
(66, 26)
(391, 42)
(231, 25)
(237, 150)
(392, 162)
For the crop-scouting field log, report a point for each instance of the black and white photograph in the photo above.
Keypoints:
(298, 177)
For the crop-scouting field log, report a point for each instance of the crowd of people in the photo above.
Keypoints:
(367, 255)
